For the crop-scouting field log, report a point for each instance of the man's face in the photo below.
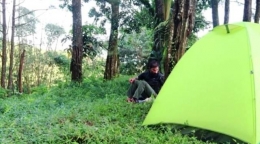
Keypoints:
(154, 70)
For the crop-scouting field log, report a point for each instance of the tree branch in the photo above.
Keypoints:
(20, 3)
(30, 13)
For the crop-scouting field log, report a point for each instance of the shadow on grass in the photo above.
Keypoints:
(200, 134)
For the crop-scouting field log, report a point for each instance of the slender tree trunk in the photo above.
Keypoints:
(257, 12)
(20, 82)
(167, 33)
(40, 69)
(167, 58)
(158, 34)
(112, 61)
(247, 10)
(227, 9)
(184, 18)
(10, 77)
(215, 18)
(4, 57)
(77, 44)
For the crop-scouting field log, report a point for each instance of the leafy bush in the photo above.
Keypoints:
(134, 51)
(62, 61)
(39, 90)
(92, 43)
(93, 67)
(3, 93)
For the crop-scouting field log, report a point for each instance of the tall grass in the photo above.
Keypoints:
(93, 112)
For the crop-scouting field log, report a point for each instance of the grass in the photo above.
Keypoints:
(94, 112)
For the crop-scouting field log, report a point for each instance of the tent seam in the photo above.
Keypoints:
(251, 66)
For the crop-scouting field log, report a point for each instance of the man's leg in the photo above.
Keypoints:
(142, 89)
(132, 89)
(136, 89)
(148, 91)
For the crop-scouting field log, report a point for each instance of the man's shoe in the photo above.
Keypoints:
(149, 99)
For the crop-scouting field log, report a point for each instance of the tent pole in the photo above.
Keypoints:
(227, 28)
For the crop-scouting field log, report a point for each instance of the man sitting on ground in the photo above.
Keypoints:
(146, 84)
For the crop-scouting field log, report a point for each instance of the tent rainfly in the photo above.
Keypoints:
(216, 85)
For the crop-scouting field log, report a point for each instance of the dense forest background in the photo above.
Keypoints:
(139, 31)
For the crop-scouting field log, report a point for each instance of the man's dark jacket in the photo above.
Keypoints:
(154, 80)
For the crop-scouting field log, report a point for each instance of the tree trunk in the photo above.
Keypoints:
(77, 44)
(227, 9)
(257, 12)
(159, 33)
(184, 18)
(112, 61)
(167, 58)
(4, 58)
(20, 84)
(159, 17)
(10, 77)
(247, 10)
(214, 6)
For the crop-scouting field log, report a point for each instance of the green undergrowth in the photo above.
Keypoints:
(92, 112)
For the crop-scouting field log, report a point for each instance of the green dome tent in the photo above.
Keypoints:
(216, 85)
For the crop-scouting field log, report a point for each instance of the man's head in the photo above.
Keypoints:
(154, 66)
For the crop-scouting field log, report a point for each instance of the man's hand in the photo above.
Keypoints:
(131, 80)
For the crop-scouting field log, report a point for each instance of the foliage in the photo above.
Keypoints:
(67, 4)
(200, 22)
(48, 68)
(146, 14)
(39, 68)
(191, 40)
(162, 31)
(27, 22)
(53, 33)
(134, 50)
(40, 90)
(61, 61)
(93, 112)
(136, 17)
(92, 43)
(103, 14)
(133, 15)
(93, 67)
(3, 93)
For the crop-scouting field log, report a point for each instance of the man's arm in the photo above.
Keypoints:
(140, 77)
(162, 79)
(131, 80)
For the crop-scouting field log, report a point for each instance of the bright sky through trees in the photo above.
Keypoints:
(48, 11)
(63, 17)
(236, 14)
